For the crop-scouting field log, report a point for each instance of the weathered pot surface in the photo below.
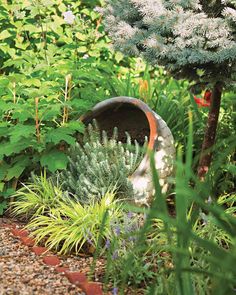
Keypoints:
(135, 117)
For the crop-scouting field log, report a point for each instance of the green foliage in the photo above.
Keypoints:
(50, 74)
(37, 198)
(189, 252)
(99, 164)
(71, 227)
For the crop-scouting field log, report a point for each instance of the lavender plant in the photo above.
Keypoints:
(193, 39)
(99, 164)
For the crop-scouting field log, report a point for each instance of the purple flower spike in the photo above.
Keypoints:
(117, 230)
(108, 244)
(130, 215)
(115, 255)
(115, 291)
(90, 241)
(132, 239)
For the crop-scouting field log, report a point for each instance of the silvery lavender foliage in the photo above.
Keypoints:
(191, 38)
(100, 165)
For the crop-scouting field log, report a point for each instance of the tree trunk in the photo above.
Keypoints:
(210, 132)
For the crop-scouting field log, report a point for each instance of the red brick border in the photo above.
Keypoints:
(78, 278)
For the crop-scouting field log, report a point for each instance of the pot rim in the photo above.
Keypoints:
(108, 103)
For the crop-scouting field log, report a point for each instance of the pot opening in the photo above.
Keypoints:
(126, 117)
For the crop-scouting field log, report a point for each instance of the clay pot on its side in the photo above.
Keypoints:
(135, 117)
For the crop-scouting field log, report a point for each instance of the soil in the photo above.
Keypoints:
(126, 118)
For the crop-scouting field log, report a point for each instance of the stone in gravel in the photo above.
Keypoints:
(39, 250)
(61, 269)
(76, 277)
(91, 288)
(19, 232)
(52, 260)
(27, 241)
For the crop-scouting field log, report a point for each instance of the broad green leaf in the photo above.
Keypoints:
(60, 134)
(9, 148)
(76, 126)
(54, 160)
(21, 131)
(31, 28)
(32, 82)
(4, 35)
(82, 49)
(80, 36)
(3, 170)
(17, 169)
(22, 114)
(6, 106)
(52, 113)
(17, 62)
(4, 82)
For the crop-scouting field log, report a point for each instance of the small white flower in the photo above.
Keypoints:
(86, 56)
(19, 14)
(69, 17)
(209, 200)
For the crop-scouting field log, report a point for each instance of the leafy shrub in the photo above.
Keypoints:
(52, 71)
(100, 164)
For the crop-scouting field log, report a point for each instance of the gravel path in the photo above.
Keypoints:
(24, 273)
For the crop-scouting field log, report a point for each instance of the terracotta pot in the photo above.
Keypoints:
(135, 117)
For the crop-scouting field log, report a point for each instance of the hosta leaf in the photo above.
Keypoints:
(54, 160)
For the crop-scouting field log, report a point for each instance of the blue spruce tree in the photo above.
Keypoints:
(192, 39)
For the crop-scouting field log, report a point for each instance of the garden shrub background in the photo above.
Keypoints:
(51, 72)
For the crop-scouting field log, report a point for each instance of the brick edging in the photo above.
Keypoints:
(74, 277)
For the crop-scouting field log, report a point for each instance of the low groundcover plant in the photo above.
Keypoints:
(72, 227)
